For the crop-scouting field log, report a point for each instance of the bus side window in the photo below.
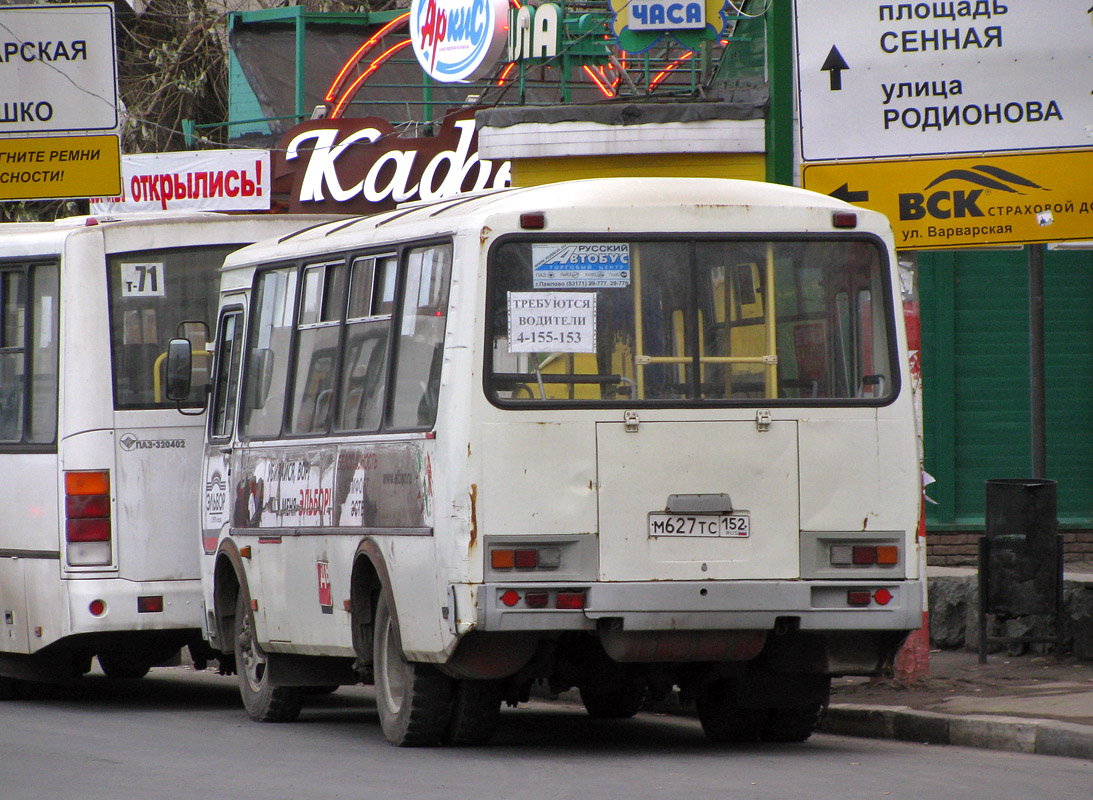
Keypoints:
(368, 331)
(267, 352)
(421, 337)
(321, 308)
(12, 354)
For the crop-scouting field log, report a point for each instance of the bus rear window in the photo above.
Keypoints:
(669, 321)
(151, 292)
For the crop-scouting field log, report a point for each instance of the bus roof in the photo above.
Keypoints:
(726, 204)
(32, 239)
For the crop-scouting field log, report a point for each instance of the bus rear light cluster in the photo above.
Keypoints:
(87, 518)
(863, 555)
(865, 597)
(548, 558)
(569, 600)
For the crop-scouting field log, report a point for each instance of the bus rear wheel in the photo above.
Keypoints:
(723, 720)
(791, 724)
(620, 701)
(476, 712)
(123, 666)
(413, 700)
(264, 701)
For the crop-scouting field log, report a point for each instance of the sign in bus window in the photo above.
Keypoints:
(151, 293)
(563, 322)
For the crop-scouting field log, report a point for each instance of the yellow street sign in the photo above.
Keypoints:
(45, 168)
(964, 202)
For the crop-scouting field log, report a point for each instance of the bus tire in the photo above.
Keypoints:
(791, 724)
(621, 701)
(476, 712)
(123, 666)
(725, 721)
(9, 688)
(413, 700)
(264, 701)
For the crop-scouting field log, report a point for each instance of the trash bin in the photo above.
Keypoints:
(1022, 534)
(1020, 558)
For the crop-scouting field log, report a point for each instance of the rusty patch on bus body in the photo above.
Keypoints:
(474, 515)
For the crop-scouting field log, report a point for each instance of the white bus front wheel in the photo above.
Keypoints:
(264, 701)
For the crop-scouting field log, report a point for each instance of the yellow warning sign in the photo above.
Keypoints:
(47, 168)
(964, 202)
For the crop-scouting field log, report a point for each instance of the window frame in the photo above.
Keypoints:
(398, 251)
(692, 240)
(29, 269)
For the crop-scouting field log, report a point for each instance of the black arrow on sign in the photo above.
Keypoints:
(835, 64)
(843, 193)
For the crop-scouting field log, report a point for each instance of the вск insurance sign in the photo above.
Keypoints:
(458, 40)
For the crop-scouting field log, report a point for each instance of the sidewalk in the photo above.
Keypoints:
(1027, 703)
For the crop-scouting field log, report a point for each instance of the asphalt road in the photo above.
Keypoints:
(181, 734)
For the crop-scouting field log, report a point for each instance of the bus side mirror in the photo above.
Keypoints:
(179, 369)
(261, 377)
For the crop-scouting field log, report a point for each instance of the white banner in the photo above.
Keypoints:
(212, 180)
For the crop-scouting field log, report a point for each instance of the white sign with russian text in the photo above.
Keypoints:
(57, 69)
(552, 322)
(878, 79)
(214, 180)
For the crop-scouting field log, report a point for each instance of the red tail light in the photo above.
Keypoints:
(570, 600)
(87, 518)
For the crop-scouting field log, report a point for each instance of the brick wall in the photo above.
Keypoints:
(961, 548)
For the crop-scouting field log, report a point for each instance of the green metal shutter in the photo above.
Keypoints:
(975, 369)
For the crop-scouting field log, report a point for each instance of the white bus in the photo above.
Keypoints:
(99, 472)
(633, 436)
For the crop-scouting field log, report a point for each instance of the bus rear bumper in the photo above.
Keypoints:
(704, 605)
(131, 605)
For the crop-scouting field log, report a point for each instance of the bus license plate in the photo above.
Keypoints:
(731, 525)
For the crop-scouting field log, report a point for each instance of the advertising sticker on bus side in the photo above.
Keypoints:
(580, 266)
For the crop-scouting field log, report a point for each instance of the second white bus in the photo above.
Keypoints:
(99, 472)
(632, 436)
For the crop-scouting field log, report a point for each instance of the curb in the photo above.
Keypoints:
(1013, 734)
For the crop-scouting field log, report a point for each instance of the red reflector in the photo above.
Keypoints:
(536, 599)
(527, 559)
(86, 506)
(858, 597)
(150, 604)
(570, 600)
(533, 220)
(844, 219)
(865, 554)
(87, 530)
(97, 608)
(510, 598)
(883, 597)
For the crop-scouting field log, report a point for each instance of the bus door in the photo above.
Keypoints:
(223, 413)
(703, 318)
